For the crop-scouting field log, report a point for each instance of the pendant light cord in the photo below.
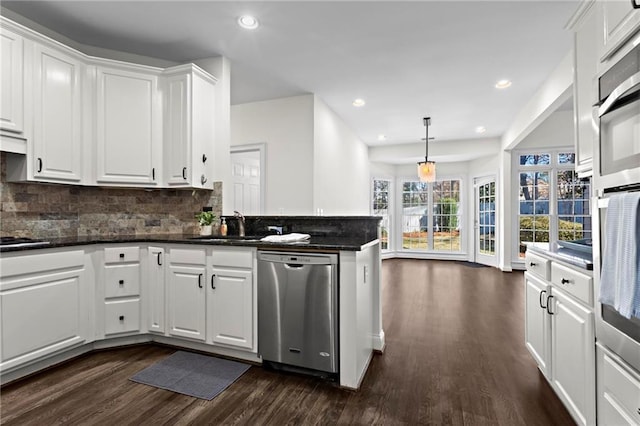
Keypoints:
(427, 122)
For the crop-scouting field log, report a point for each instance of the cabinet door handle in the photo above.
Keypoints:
(153, 173)
(39, 164)
(184, 173)
(213, 276)
(549, 305)
(204, 158)
(203, 180)
(121, 282)
(200, 281)
(121, 318)
(540, 301)
(160, 258)
(565, 281)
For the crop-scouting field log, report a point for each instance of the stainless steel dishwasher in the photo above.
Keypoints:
(298, 311)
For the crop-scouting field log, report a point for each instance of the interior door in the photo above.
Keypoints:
(485, 222)
(247, 191)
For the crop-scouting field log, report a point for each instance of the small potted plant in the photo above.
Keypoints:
(205, 220)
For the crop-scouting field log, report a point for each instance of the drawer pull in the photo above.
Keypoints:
(159, 259)
(121, 282)
(565, 281)
(121, 318)
(121, 255)
(532, 263)
(540, 301)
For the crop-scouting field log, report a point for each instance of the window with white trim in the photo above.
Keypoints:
(380, 206)
(553, 203)
(431, 215)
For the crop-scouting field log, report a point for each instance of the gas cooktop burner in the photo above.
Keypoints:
(20, 242)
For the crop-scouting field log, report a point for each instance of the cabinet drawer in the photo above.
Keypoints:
(538, 265)
(122, 316)
(121, 280)
(621, 389)
(188, 256)
(121, 254)
(573, 282)
(233, 257)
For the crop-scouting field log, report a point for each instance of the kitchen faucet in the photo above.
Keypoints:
(240, 222)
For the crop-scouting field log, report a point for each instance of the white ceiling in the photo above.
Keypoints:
(407, 59)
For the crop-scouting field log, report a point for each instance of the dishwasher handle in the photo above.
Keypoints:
(297, 260)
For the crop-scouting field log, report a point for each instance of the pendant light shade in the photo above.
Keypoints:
(426, 168)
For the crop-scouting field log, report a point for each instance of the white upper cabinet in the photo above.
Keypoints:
(91, 121)
(585, 91)
(189, 131)
(57, 115)
(12, 94)
(619, 21)
(127, 125)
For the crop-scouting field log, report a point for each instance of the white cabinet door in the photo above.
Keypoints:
(189, 130)
(156, 287)
(537, 321)
(187, 293)
(127, 119)
(12, 87)
(57, 120)
(232, 307)
(44, 306)
(619, 21)
(585, 92)
(573, 356)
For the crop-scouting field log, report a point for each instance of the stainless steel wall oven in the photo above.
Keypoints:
(617, 172)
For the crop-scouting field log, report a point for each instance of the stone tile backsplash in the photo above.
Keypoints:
(39, 210)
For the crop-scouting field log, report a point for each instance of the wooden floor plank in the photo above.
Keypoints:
(455, 356)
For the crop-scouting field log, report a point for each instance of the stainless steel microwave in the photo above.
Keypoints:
(619, 112)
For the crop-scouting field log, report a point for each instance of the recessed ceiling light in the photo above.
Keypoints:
(248, 22)
(382, 138)
(503, 84)
(358, 102)
(481, 129)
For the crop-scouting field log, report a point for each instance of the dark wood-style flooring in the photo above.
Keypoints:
(455, 355)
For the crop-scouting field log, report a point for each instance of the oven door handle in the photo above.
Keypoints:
(624, 88)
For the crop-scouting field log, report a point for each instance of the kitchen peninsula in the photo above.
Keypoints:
(77, 294)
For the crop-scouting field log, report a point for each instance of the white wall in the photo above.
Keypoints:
(286, 126)
(340, 166)
(556, 131)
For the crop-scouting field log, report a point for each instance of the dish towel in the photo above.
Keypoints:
(286, 238)
(620, 280)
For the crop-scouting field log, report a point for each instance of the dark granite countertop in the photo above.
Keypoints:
(573, 257)
(344, 243)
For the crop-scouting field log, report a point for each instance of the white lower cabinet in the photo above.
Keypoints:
(155, 297)
(120, 292)
(573, 356)
(232, 307)
(560, 335)
(232, 304)
(44, 305)
(187, 293)
(537, 321)
(618, 390)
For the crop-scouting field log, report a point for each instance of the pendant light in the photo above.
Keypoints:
(426, 168)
